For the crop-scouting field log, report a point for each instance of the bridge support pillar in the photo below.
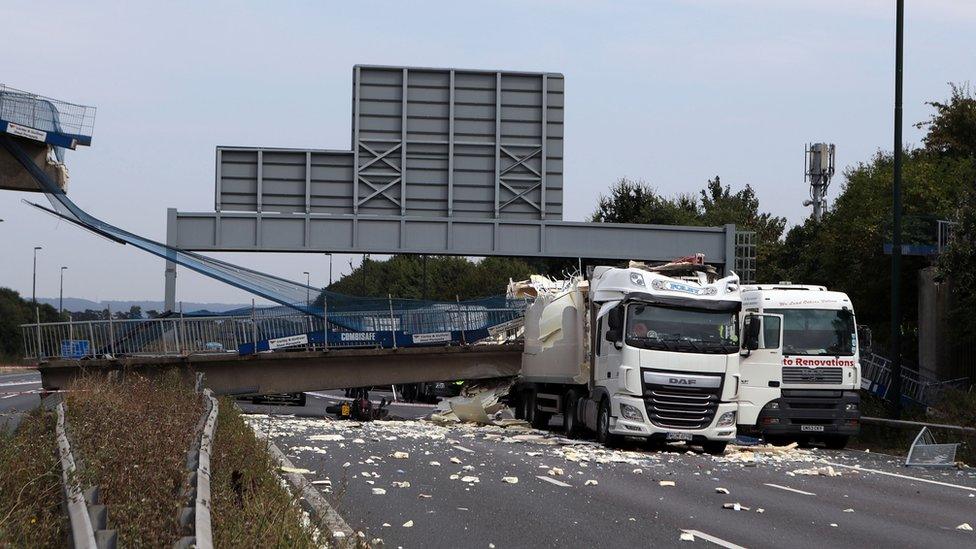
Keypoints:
(169, 297)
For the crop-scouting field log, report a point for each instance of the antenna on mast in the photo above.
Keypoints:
(819, 159)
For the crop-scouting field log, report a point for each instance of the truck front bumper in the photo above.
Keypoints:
(620, 425)
(812, 412)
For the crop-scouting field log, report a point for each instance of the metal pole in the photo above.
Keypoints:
(254, 328)
(111, 333)
(330, 269)
(392, 325)
(40, 346)
(34, 285)
(325, 320)
(458, 301)
(896, 365)
(61, 295)
(182, 332)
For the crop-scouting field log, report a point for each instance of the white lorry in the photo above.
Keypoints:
(800, 366)
(635, 352)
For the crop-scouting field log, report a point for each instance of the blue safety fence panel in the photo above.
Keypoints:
(75, 348)
(378, 339)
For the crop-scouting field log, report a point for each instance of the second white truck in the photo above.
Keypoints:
(800, 364)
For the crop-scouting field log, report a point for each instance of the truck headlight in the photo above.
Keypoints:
(726, 419)
(631, 412)
(850, 407)
(772, 406)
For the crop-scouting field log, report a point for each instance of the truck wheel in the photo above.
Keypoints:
(837, 442)
(603, 434)
(302, 399)
(714, 447)
(571, 426)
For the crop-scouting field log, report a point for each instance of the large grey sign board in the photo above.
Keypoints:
(425, 143)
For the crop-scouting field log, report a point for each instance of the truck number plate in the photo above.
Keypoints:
(817, 428)
(678, 436)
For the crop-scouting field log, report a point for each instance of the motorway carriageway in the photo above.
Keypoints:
(19, 393)
(881, 504)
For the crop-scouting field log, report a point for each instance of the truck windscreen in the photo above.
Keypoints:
(817, 332)
(681, 330)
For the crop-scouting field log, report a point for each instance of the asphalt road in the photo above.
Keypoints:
(18, 395)
(779, 507)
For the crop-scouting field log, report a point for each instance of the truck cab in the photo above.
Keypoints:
(799, 364)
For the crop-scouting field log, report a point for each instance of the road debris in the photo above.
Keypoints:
(833, 525)
(736, 506)
(332, 437)
(666, 483)
(555, 472)
(721, 490)
(686, 536)
(965, 526)
(638, 471)
(400, 455)
(455, 460)
(510, 480)
(591, 482)
(400, 484)
(408, 524)
(434, 464)
(470, 479)
(297, 470)
(848, 510)
(827, 471)
(379, 491)
(760, 510)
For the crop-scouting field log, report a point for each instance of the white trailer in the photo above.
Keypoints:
(634, 352)
(800, 364)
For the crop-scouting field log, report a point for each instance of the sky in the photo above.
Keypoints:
(670, 92)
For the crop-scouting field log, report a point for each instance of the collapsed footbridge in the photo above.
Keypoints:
(443, 161)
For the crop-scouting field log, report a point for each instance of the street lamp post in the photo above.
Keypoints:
(330, 268)
(34, 285)
(61, 294)
(308, 288)
(896, 365)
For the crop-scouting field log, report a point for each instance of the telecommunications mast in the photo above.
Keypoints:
(819, 171)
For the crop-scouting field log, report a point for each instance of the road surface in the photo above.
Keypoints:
(18, 395)
(880, 504)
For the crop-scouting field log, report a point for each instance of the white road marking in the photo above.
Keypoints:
(553, 481)
(959, 486)
(788, 489)
(717, 541)
(462, 448)
(11, 383)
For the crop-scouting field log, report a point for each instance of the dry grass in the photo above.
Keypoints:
(132, 437)
(251, 507)
(30, 485)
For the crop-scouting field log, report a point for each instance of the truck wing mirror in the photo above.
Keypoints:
(613, 336)
(751, 327)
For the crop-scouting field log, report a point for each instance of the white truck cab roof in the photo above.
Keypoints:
(614, 284)
(794, 296)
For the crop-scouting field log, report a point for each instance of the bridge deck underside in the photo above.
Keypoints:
(272, 373)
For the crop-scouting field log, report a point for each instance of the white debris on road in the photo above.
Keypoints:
(510, 480)
(965, 526)
(399, 484)
(297, 470)
(687, 536)
(827, 471)
(379, 491)
(408, 524)
(666, 483)
(590, 482)
(721, 490)
(400, 455)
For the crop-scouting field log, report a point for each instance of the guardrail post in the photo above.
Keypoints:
(254, 328)
(392, 325)
(91, 337)
(325, 321)
(181, 332)
(40, 346)
(458, 301)
(111, 332)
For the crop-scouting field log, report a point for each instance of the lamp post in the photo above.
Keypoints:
(308, 287)
(330, 267)
(896, 366)
(61, 294)
(34, 286)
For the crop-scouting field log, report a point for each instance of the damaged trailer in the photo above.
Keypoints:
(649, 352)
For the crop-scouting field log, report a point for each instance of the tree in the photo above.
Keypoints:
(632, 201)
(15, 311)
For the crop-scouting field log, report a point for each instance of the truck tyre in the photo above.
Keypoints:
(603, 434)
(838, 442)
(571, 426)
(535, 417)
(714, 447)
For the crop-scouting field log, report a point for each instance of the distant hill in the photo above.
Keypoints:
(79, 304)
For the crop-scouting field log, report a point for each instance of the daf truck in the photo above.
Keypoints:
(799, 364)
(649, 352)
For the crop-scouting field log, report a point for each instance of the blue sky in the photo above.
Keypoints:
(672, 92)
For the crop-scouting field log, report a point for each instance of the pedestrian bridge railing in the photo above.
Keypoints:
(182, 335)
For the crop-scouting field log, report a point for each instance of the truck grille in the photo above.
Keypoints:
(681, 407)
(802, 374)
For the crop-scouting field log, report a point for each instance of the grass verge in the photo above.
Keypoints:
(132, 437)
(30, 485)
(251, 506)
